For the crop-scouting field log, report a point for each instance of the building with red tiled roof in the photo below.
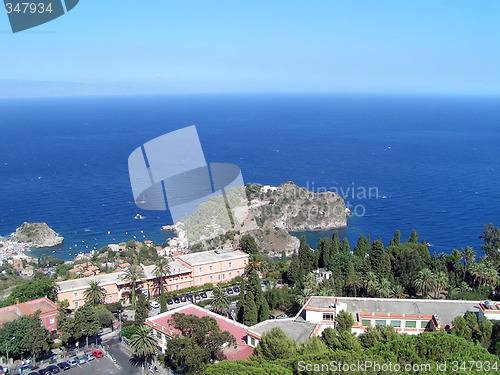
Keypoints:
(48, 312)
(246, 339)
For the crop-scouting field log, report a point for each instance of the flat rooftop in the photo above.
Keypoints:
(117, 277)
(299, 331)
(204, 257)
(445, 310)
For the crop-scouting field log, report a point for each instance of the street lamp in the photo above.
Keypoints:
(7, 352)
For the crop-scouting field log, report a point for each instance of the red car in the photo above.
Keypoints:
(97, 354)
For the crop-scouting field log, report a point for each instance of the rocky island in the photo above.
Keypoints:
(269, 213)
(36, 235)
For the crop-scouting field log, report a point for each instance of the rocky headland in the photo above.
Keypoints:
(36, 235)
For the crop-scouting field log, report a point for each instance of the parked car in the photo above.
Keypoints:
(183, 299)
(203, 295)
(154, 305)
(190, 297)
(64, 366)
(229, 291)
(72, 362)
(177, 300)
(53, 369)
(89, 355)
(25, 367)
(170, 301)
(267, 282)
(272, 317)
(197, 297)
(282, 316)
(236, 289)
(44, 371)
(98, 353)
(81, 359)
(31, 373)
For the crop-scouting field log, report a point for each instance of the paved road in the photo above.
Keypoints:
(123, 357)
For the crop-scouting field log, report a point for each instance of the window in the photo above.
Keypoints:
(76, 305)
(380, 323)
(230, 275)
(237, 273)
(396, 323)
(211, 278)
(177, 287)
(158, 334)
(245, 262)
(426, 324)
(218, 276)
(411, 324)
(252, 341)
(366, 322)
(75, 294)
(210, 268)
(328, 317)
(230, 264)
(200, 269)
(52, 320)
(200, 280)
(223, 276)
(110, 299)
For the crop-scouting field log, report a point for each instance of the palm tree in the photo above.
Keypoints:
(95, 294)
(440, 282)
(143, 344)
(132, 275)
(468, 255)
(304, 296)
(370, 282)
(398, 291)
(220, 302)
(384, 288)
(162, 269)
(424, 282)
(324, 291)
(254, 266)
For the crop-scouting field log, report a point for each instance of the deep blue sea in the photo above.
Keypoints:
(434, 162)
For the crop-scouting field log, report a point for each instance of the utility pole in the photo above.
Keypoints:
(120, 317)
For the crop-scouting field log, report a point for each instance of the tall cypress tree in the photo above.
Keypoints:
(294, 273)
(250, 312)
(345, 248)
(335, 243)
(306, 256)
(325, 251)
(413, 236)
(360, 249)
(380, 260)
(397, 238)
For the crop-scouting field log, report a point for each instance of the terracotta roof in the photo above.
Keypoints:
(13, 312)
(239, 331)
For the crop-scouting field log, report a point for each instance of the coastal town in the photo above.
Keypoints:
(138, 292)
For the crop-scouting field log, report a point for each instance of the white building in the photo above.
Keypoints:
(411, 316)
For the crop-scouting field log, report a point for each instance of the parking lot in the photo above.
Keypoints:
(103, 365)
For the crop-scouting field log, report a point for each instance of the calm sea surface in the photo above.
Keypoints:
(430, 163)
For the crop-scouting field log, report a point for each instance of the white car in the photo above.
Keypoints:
(154, 304)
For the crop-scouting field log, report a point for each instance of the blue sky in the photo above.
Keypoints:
(265, 46)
